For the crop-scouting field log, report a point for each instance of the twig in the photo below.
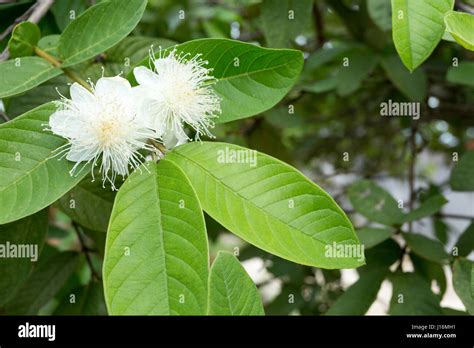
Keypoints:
(318, 25)
(33, 14)
(455, 216)
(4, 116)
(465, 7)
(411, 170)
(70, 73)
(86, 251)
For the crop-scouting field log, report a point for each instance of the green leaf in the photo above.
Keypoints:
(291, 17)
(269, 204)
(429, 207)
(427, 248)
(49, 44)
(375, 203)
(370, 236)
(461, 74)
(25, 37)
(22, 74)
(65, 11)
(413, 86)
(465, 243)
(418, 27)
(89, 204)
(384, 254)
(472, 281)
(412, 295)
(131, 51)
(88, 300)
(231, 290)
(381, 13)
(462, 282)
(461, 175)
(361, 63)
(47, 279)
(251, 79)
(156, 258)
(29, 232)
(452, 311)
(430, 271)
(99, 28)
(461, 26)
(365, 290)
(39, 95)
(26, 152)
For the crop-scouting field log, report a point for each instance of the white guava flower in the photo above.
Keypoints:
(103, 127)
(177, 92)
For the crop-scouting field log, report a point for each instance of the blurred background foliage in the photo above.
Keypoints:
(329, 126)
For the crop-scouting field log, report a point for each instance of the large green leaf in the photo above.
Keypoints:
(231, 290)
(425, 247)
(412, 295)
(87, 300)
(361, 63)
(465, 243)
(461, 175)
(29, 232)
(89, 204)
(413, 86)
(430, 271)
(375, 203)
(99, 28)
(462, 283)
(371, 236)
(432, 205)
(291, 17)
(42, 285)
(381, 13)
(365, 290)
(461, 74)
(65, 11)
(24, 38)
(251, 79)
(418, 26)
(22, 74)
(156, 257)
(37, 96)
(269, 203)
(130, 51)
(31, 178)
(461, 26)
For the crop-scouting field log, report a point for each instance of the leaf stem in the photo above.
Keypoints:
(57, 63)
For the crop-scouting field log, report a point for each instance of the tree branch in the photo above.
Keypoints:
(33, 14)
(86, 251)
(464, 7)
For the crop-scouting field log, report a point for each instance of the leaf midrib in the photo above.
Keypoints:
(228, 188)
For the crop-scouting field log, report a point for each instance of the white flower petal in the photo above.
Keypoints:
(107, 86)
(77, 154)
(65, 123)
(80, 94)
(145, 76)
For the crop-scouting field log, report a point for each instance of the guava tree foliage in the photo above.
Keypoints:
(89, 103)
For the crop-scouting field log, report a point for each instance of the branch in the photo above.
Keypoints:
(86, 251)
(318, 25)
(33, 14)
(464, 7)
(411, 169)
